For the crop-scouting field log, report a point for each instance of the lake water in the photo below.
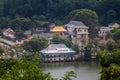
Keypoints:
(84, 70)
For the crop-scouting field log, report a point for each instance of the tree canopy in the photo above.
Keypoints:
(58, 40)
(88, 17)
(36, 44)
(27, 69)
(52, 10)
(1, 50)
(110, 62)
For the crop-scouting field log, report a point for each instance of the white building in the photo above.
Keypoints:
(102, 33)
(57, 52)
(9, 33)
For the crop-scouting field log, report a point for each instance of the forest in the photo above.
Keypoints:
(22, 15)
(58, 10)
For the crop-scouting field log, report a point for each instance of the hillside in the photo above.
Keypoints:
(56, 10)
(1, 5)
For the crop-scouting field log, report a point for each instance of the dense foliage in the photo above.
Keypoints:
(110, 62)
(58, 40)
(114, 34)
(22, 15)
(27, 69)
(55, 10)
(36, 44)
(1, 50)
(114, 39)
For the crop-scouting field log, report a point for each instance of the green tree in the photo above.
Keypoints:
(20, 35)
(116, 35)
(88, 17)
(36, 44)
(68, 75)
(110, 63)
(108, 13)
(58, 40)
(75, 47)
(111, 44)
(21, 23)
(27, 69)
(5, 22)
(22, 69)
(87, 53)
(1, 50)
(111, 73)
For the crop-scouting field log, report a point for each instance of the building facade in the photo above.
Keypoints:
(57, 52)
(103, 32)
(78, 32)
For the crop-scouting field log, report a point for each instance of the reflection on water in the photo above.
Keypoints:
(84, 70)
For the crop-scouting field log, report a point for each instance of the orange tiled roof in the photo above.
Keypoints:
(58, 29)
(28, 38)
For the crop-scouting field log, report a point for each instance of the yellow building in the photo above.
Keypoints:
(59, 30)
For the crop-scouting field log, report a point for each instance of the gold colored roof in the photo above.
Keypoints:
(58, 29)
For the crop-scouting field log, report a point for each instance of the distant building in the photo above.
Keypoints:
(51, 26)
(78, 32)
(113, 25)
(47, 36)
(40, 30)
(57, 52)
(102, 33)
(28, 32)
(59, 30)
(9, 33)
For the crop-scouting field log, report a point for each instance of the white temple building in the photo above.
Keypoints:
(57, 52)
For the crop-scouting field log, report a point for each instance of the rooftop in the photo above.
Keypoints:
(58, 29)
(57, 48)
(28, 38)
(9, 30)
(47, 36)
(76, 24)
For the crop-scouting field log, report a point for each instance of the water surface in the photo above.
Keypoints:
(84, 70)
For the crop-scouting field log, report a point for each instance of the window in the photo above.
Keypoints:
(74, 35)
(79, 30)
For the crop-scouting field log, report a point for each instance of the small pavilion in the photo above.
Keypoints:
(57, 52)
(59, 30)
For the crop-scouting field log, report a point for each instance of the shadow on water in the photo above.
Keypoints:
(84, 70)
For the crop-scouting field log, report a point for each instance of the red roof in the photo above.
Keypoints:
(28, 38)
(9, 30)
